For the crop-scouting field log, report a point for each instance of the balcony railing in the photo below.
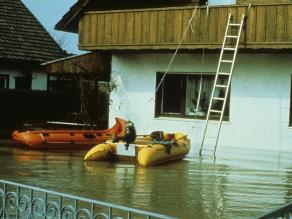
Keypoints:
(267, 26)
(284, 212)
(21, 201)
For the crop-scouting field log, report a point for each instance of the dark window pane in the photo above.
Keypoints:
(2, 82)
(172, 94)
(23, 83)
(290, 116)
(4, 79)
(61, 85)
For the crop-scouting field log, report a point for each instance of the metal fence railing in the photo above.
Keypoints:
(284, 212)
(22, 201)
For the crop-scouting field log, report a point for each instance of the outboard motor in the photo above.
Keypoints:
(130, 134)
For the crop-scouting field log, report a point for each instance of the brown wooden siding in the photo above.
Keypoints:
(91, 63)
(263, 1)
(267, 26)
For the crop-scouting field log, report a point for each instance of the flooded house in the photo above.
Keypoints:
(184, 39)
(24, 45)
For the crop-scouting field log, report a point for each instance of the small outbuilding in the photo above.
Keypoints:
(87, 78)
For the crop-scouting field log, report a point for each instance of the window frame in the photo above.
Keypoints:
(64, 83)
(290, 110)
(6, 78)
(159, 98)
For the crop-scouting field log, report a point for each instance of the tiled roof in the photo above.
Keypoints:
(22, 37)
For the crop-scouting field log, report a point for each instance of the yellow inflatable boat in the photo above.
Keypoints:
(146, 150)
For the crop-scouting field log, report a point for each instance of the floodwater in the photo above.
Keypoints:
(239, 184)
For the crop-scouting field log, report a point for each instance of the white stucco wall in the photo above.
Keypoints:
(259, 105)
(39, 79)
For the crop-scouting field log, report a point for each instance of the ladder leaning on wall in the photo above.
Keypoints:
(219, 95)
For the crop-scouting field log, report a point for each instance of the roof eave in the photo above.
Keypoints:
(69, 22)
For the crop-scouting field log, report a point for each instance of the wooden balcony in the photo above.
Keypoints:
(268, 26)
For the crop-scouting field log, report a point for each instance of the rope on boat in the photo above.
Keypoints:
(166, 143)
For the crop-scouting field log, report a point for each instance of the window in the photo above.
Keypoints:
(202, 2)
(23, 83)
(4, 81)
(187, 95)
(290, 119)
(221, 2)
(61, 83)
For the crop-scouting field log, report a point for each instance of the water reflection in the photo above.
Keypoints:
(288, 183)
(240, 184)
(174, 187)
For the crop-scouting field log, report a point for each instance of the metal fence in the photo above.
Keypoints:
(284, 212)
(22, 201)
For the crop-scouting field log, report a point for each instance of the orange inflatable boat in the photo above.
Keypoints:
(67, 139)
